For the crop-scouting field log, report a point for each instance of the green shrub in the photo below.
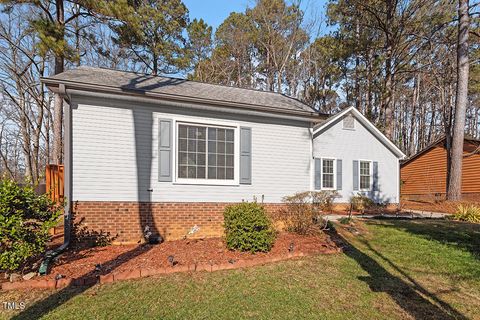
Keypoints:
(248, 228)
(303, 209)
(468, 212)
(25, 219)
(345, 220)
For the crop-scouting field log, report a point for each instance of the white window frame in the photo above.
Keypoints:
(208, 123)
(360, 175)
(334, 173)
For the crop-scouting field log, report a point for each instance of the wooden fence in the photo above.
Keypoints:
(54, 181)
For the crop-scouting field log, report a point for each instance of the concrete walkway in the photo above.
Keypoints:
(406, 214)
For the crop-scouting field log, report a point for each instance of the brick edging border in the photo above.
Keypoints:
(141, 273)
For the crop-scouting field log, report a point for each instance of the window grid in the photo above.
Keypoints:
(327, 173)
(365, 175)
(205, 152)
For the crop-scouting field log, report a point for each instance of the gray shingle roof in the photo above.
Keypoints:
(138, 82)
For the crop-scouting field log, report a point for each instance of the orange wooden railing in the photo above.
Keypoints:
(54, 181)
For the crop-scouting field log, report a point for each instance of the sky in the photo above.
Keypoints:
(215, 11)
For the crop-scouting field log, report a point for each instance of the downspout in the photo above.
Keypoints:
(312, 159)
(67, 184)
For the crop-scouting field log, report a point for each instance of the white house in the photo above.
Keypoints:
(170, 153)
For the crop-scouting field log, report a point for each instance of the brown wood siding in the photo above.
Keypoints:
(427, 174)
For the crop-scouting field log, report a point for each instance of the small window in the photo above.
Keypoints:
(349, 122)
(205, 152)
(365, 175)
(328, 181)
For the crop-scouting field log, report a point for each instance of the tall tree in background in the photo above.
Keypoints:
(51, 23)
(153, 31)
(199, 41)
(454, 191)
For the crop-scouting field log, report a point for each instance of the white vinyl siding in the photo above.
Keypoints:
(115, 155)
(357, 145)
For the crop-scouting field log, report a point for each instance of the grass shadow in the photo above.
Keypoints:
(462, 235)
(408, 294)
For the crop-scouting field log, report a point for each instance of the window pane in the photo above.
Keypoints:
(229, 161)
(212, 173)
(221, 134)
(192, 132)
(327, 181)
(365, 182)
(182, 131)
(212, 159)
(212, 134)
(229, 135)
(229, 148)
(192, 172)
(182, 158)
(229, 173)
(182, 145)
(327, 166)
(220, 173)
(221, 160)
(201, 133)
(200, 172)
(192, 159)
(182, 172)
(192, 145)
(201, 146)
(221, 147)
(212, 146)
(201, 159)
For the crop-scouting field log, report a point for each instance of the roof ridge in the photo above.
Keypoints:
(196, 81)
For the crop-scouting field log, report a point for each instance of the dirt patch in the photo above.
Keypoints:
(105, 260)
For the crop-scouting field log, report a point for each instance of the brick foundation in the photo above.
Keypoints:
(172, 220)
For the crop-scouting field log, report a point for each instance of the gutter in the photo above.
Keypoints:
(67, 184)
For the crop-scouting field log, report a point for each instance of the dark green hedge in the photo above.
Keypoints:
(248, 228)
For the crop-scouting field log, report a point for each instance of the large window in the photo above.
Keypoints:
(365, 175)
(328, 178)
(205, 152)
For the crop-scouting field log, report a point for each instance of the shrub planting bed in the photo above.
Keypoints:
(106, 264)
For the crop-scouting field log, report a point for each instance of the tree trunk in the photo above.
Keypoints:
(357, 66)
(57, 155)
(455, 184)
(389, 83)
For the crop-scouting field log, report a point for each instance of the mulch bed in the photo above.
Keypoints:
(113, 263)
(73, 264)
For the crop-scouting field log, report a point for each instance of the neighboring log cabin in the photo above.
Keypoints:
(424, 175)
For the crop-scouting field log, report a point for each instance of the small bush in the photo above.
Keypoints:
(467, 212)
(248, 228)
(345, 220)
(360, 203)
(303, 208)
(25, 219)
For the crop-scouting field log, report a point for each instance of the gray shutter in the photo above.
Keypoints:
(355, 175)
(318, 174)
(375, 176)
(339, 174)
(245, 155)
(165, 142)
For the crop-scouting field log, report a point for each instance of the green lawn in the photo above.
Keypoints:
(422, 269)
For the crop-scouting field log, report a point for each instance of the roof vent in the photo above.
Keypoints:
(349, 122)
